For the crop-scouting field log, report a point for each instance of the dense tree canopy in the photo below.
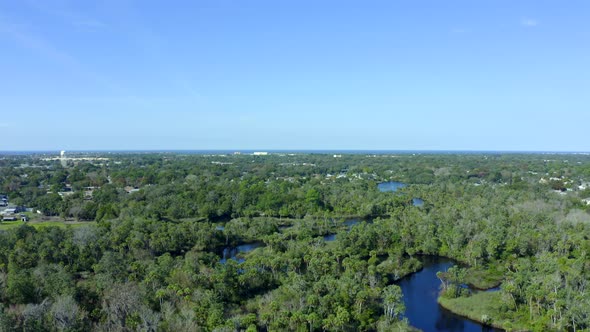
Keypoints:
(148, 232)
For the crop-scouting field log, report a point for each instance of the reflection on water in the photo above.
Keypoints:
(329, 237)
(420, 291)
(417, 202)
(232, 252)
(351, 222)
(348, 222)
(392, 186)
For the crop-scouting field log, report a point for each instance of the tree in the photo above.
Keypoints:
(119, 303)
(65, 313)
(312, 197)
(393, 306)
(20, 287)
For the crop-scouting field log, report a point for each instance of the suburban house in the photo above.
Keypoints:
(130, 189)
(11, 217)
(8, 211)
(88, 192)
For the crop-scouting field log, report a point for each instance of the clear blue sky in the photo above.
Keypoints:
(295, 74)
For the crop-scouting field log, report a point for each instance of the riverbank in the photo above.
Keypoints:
(477, 277)
(420, 294)
(484, 308)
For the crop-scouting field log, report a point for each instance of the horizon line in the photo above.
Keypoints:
(351, 151)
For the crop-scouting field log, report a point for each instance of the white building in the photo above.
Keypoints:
(63, 159)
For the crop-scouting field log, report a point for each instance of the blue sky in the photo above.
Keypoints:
(404, 75)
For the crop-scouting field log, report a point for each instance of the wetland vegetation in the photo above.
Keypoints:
(223, 242)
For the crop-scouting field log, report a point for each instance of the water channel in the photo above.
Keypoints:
(234, 252)
(421, 290)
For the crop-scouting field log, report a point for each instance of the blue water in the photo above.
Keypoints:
(329, 237)
(232, 253)
(351, 222)
(348, 222)
(391, 186)
(421, 290)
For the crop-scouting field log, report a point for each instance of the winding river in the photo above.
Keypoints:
(420, 291)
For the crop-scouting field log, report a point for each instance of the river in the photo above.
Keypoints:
(232, 252)
(421, 290)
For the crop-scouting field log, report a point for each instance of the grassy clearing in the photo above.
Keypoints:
(6, 225)
(484, 278)
(485, 307)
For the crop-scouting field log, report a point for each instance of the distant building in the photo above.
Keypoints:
(130, 189)
(63, 159)
(11, 217)
(260, 153)
(8, 212)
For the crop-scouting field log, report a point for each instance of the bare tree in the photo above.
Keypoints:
(65, 313)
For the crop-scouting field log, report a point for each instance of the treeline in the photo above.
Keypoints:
(247, 186)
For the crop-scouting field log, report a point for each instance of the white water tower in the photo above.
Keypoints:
(63, 159)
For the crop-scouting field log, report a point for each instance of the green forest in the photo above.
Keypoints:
(138, 241)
